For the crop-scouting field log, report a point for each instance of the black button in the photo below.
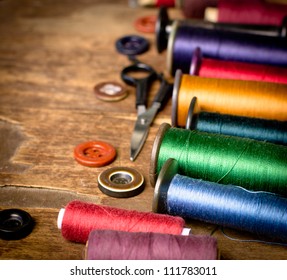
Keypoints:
(15, 224)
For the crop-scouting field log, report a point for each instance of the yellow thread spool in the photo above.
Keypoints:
(235, 97)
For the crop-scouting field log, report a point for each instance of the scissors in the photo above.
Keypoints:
(145, 116)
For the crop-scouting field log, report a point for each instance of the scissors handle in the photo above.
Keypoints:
(142, 84)
(164, 93)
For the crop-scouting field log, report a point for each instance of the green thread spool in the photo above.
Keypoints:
(254, 165)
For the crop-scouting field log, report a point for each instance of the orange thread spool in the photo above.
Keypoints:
(235, 97)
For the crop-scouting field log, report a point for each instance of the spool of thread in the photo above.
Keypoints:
(284, 2)
(155, 3)
(223, 69)
(260, 213)
(253, 128)
(196, 8)
(164, 23)
(119, 245)
(252, 12)
(254, 165)
(232, 97)
(79, 218)
(165, 3)
(221, 44)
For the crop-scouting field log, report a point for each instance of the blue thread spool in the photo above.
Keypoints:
(260, 213)
(259, 129)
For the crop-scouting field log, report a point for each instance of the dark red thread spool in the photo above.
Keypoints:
(165, 3)
(80, 218)
(119, 245)
(196, 8)
(251, 12)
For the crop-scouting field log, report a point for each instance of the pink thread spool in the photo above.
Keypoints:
(119, 245)
(78, 219)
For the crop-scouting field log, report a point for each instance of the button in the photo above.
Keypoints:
(110, 91)
(15, 224)
(132, 45)
(94, 153)
(146, 24)
(121, 182)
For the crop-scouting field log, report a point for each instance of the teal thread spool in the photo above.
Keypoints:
(254, 165)
(259, 129)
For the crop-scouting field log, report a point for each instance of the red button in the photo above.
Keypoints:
(94, 153)
(146, 24)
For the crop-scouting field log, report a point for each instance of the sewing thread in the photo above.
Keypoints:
(165, 3)
(263, 214)
(259, 129)
(251, 12)
(196, 8)
(224, 69)
(224, 45)
(80, 218)
(119, 245)
(232, 97)
(254, 165)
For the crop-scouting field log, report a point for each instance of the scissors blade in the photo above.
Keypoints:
(141, 130)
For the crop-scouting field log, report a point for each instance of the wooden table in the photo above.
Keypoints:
(52, 54)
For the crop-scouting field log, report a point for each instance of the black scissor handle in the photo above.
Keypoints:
(164, 93)
(142, 84)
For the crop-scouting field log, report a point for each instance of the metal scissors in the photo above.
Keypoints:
(145, 116)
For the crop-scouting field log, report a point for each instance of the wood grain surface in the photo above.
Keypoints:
(52, 54)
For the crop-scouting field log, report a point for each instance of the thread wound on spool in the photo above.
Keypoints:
(119, 245)
(258, 129)
(254, 165)
(241, 98)
(215, 68)
(165, 3)
(253, 128)
(196, 8)
(221, 44)
(251, 12)
(260, 213)
(80, 218)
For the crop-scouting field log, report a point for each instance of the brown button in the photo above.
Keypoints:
(94, 153)
(110, 91)
(121, 182)
(146, 24)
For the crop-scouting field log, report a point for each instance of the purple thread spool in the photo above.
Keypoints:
(225, 45)
(164, 23)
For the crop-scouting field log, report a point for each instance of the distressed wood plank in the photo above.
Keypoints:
(52, 53)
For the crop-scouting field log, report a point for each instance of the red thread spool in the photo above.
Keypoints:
(251, 12)
(196, 8)
(165, 3)
(119, 245)
(213, 68)
(80, 218)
